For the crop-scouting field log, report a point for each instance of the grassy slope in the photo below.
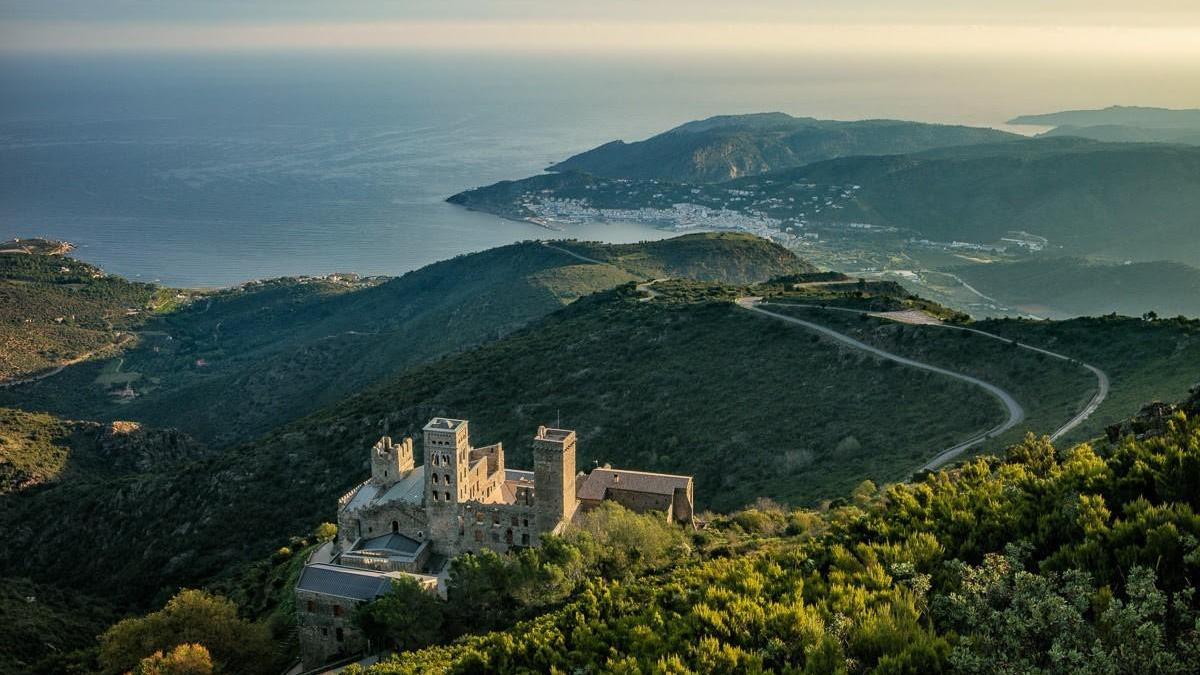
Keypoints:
(1145, 360)
(1050, 390)
(246, 360)
(53, 309)
(1075, 286)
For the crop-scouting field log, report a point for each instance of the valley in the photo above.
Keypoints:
(605, 338)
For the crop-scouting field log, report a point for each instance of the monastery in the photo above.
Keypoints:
(409, 520)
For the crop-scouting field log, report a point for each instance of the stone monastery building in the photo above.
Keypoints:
(408, 520)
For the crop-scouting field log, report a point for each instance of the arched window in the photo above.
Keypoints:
(435, 495)
(395, 526)
(447, 496)
(508, 537)
(447, 478)
(435, 479)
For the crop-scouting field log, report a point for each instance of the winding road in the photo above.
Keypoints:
(1016, 414)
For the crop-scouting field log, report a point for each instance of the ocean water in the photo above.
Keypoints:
(212, 170)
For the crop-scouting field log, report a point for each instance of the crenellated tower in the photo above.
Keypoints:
(554, 477)
(390, 462)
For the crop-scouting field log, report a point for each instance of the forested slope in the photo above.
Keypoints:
(240, 362)
(1078, 559)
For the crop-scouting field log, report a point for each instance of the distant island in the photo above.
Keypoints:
(1122, 123)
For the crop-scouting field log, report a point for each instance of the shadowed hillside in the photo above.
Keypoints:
(237, 363)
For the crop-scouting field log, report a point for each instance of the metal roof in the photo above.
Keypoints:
(393, 541)
(343, 582)
(599, 481)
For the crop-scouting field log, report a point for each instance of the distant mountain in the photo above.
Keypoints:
(1130, 116)
(731, 146)
(1136, 201)
(1122, 124)
(235, 364)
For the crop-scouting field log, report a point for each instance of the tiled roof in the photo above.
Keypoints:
(343, 582)
(600, 480)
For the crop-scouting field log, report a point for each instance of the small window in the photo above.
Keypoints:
(340, 635)
(524, 522)
(495, 536)
(420, 534)
(312, 606)
(479, 516)
(435, 495)
(447, 496)
(369, 530)
(495, 518)
(395, 526)
(514, 521)
(478, 535)
(337, 610)
(435, 479)
(385, 473)
(447, 477)
(525, 540)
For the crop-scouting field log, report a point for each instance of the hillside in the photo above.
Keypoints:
(1078, 197)
(1137, 201)
(1068, 559)
(1060, 287)
(55, 309)
(670, 385)
(732, 146)
(240, 362)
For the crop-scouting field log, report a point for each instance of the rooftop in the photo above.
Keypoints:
(409, 489)
(600, 480)
(344, 582)
(391, 543)
(444, 424)
(548, 434)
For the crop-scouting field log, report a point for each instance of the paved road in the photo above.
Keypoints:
(1016, 413)
(573, 254)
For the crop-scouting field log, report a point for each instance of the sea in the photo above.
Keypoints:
(208, 170)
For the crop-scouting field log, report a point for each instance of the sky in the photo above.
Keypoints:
(1080, 29)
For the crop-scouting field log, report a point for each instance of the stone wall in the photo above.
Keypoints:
(325, 628)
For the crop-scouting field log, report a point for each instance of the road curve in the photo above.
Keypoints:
(1102, 381)
(1016, 414)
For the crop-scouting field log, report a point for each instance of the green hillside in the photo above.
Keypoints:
(674, 384)
(731, 146)
(1069, 559)
(1058, 287)
(242, 361)
(54, 309)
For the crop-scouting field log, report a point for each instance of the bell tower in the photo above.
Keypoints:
(447, 459)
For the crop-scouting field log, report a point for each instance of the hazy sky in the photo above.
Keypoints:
(1145, 29)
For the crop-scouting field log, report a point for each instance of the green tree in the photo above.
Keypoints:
(191, 617)
(185, 659)
(407, 617)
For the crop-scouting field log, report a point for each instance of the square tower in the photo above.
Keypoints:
(553, 477)
(447, 459)
(390, 461)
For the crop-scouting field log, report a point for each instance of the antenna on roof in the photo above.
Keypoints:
(558, 418)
